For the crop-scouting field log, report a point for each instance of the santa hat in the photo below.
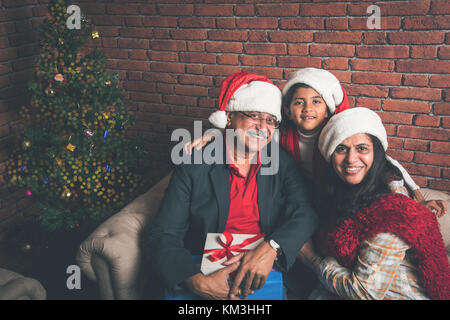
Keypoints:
(348, 123)
(243, 91)
(325, 83)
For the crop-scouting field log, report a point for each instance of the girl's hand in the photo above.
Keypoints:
(197, 143)
(437, 206)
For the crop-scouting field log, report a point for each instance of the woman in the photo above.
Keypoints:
(377, 244)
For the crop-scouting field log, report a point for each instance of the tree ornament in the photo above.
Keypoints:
(59, 77)
(26, 144)
(71, 147)
(95, 34)
(28, 193)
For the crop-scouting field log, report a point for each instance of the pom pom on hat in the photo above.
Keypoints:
(325, 83)
(244, 91)
(347, 124)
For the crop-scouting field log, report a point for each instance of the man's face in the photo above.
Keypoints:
(252, 132)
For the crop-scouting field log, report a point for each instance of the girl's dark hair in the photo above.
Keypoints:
(286, 102)
(353, 198)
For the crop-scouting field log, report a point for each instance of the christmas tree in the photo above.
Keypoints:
(74, 158)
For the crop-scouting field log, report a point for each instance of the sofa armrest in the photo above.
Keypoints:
(111, 254)
(14, 286)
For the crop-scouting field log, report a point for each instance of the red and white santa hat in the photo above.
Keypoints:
(243, 91)
(325, 83)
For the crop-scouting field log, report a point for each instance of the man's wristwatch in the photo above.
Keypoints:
(276, 246)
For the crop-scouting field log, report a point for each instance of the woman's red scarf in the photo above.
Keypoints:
(404, 217)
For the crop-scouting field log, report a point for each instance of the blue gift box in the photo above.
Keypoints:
(272, 289)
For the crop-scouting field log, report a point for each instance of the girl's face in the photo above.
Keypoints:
(353, 158)
(307, 110)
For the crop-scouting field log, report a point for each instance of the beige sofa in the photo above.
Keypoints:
(14, 286)
(111, 254)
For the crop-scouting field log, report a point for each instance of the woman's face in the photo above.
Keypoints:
(353, 158)
(307, 110)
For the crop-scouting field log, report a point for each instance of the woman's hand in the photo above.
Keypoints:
(308, 255)
(197, 143)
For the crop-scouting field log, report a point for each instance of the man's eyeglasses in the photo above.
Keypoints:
(254, 117)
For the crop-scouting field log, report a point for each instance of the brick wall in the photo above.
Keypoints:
(172, 56)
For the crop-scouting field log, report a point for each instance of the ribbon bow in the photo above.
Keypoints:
(227, 248)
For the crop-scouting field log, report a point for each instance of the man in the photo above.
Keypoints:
(234, 196)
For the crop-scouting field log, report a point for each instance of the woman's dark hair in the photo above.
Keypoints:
(349, 199)
(286, 103)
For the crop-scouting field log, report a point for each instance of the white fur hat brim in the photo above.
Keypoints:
(348, 123)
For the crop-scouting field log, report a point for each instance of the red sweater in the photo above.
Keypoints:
(404, 217)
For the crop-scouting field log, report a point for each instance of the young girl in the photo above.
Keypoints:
(310, 97)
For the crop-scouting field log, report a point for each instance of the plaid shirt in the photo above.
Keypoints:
(385, 269)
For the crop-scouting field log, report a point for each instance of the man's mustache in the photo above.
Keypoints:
(258, 133)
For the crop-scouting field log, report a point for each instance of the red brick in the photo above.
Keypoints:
(336, 24)
(395, 143)
(416, 93)
(446, 173)
(303, 23)
(323, 10)
(407, 106)
(386, 23)
(370, 91)
(418, 145)
(401, 8)
(148, 97)
(420, 133)
(220, 10)
(276, 10)
(418, 80)
(423, 52)
(134, 43)
(298, 49)
(228, 35)
(258, 60)
(163, 56)
(219, 46)
(191, 90)
(291, 36)
(196, 22)
(422, 170)
(401, 155)
(419, 37)
(442, 108)
(257, 23)
(167, 67)
(374, 104)
(265, 48)
(179, 100)
(244, 10)
(395, 117)
(428, 22)
(220, 70)
(258, 36)
(196, 79)
(440, 81)
(440, 184)
(440, 7)
(372, 65)
(299, 62)
(440, 147)
(444, 52)
(271, 73)
(427, 121)
(197, 57)
(382, 51)
(122, 8)
(168, 45)
(195, 46)
(332, 50)
(377, 78)
(430, 158)
(228, 59)
(420, 66)
(446, 122)
(176, 9)
(336, 63)
(189, 34)
(338, 37)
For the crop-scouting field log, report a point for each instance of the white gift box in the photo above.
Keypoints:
(219, 247)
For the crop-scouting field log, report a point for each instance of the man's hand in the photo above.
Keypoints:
(255, 267)
(214, 286)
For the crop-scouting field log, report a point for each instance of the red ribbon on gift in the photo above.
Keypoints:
(227, 248)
